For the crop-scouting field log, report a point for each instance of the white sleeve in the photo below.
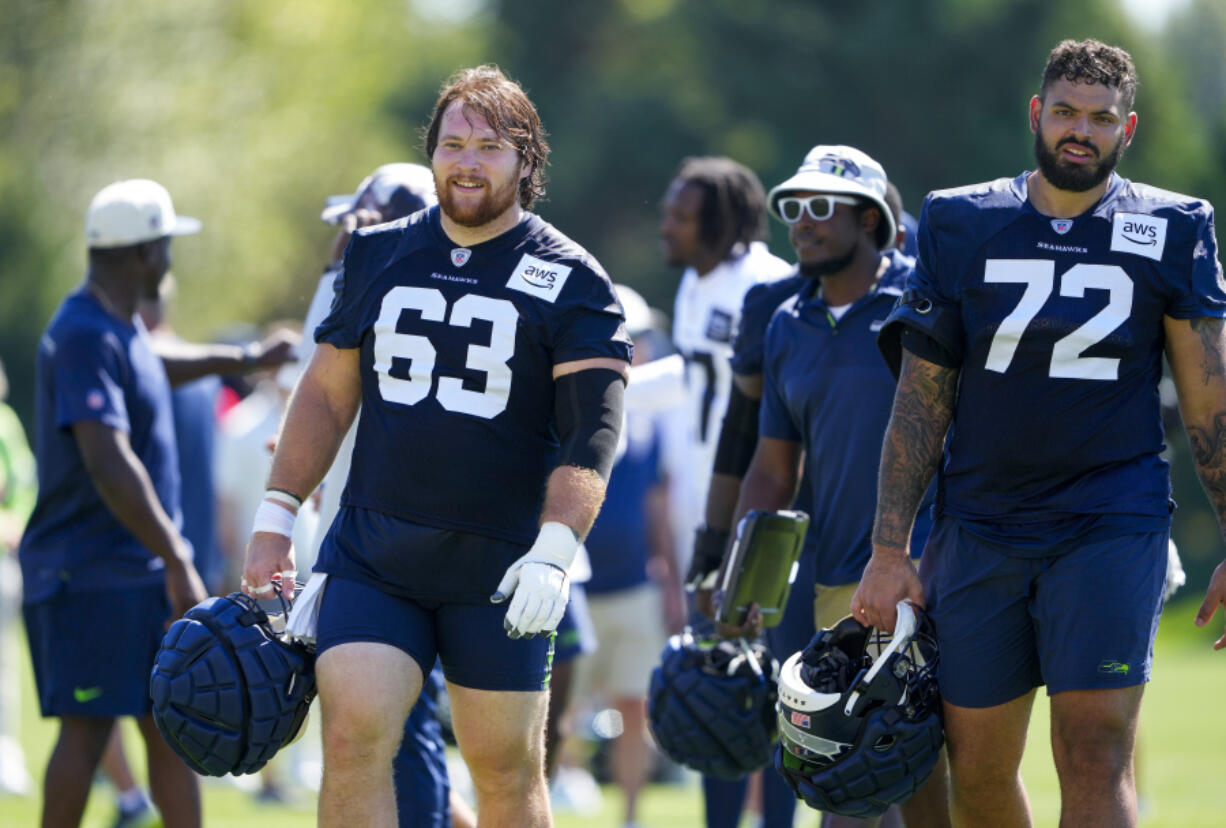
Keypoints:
(321, 303)
(657, 385)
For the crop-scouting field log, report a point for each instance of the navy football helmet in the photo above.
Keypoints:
(711, 704)
(228, 691)
(859, 715)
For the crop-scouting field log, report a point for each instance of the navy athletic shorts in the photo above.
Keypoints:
(1082, 617)
(468, 639)
(93, 651)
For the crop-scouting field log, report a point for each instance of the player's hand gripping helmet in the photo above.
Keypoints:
(859, 715)
(228, 691)
(711, 704)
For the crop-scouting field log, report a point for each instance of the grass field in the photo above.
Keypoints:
(1182, 757)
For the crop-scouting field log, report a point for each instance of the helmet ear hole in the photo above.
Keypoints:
(885, 743)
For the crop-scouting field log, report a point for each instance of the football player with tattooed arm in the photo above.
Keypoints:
(488, 354)
(1031, 338)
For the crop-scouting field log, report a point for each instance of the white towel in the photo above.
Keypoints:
(304, 616)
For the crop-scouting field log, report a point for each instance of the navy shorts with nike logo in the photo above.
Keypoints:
(93, 651)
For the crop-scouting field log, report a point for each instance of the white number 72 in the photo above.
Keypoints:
(1038, 275)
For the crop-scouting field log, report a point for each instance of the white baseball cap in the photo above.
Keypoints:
(134, 211)
(406, 188)
(830, 168)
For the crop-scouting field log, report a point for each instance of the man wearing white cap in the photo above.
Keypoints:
(103, 551)
(826, 391)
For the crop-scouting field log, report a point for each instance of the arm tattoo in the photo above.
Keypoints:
(1204, 416)
(1210, 332)
(914, 439)
(1209, 451)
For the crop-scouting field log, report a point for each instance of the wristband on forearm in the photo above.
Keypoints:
(274, 517)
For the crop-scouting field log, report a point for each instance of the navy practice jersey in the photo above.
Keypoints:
(458, 345)
(1058, 328)
(761, 302)
(826, 386)
(93, 367)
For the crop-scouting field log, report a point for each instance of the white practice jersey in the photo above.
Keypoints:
(705, 319)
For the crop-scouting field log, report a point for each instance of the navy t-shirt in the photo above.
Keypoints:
(457, 347)
(826, 386)
(94, 367)
(1059, 325)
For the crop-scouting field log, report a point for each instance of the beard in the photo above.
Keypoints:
(816, 270)
(493, 203)
(1077, 178)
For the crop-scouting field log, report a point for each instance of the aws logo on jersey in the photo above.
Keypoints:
(539, 278)
(1139, 233)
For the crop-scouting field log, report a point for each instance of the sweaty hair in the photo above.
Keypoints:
(733, 202)
(1091, 61)
(509, 112)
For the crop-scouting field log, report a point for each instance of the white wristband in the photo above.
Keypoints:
(275, 518)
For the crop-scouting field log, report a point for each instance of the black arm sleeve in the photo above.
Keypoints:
(588, 407)
(739, 436)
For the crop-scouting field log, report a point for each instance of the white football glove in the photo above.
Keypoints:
(538, 583)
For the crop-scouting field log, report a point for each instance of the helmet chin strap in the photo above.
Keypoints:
(904, 629)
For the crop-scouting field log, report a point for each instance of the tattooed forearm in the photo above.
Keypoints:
(1209, 451)
(923, 408)
(1210, 331)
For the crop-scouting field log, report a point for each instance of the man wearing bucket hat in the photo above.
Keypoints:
(103, 551)
(826, 391)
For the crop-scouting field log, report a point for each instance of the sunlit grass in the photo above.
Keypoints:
(1182, 758)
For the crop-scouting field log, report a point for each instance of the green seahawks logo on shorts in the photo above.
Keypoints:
(1113, 667)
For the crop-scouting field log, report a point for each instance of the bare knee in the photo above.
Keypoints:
(366, 690)
(87, 736)
(357, 735)
(505, 769)
(1098, 751)
(1093, 735)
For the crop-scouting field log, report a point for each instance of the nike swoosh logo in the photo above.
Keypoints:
(86, 694)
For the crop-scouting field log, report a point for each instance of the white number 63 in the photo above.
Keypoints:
(452, 395)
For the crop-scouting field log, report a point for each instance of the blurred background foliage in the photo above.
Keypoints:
(252, 112)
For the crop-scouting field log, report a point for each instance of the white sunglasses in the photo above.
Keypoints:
(819, 207)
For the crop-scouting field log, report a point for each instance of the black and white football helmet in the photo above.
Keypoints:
(860, 715)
